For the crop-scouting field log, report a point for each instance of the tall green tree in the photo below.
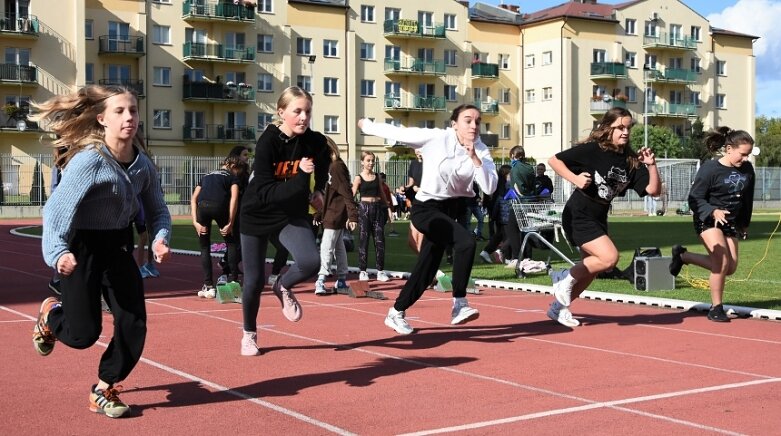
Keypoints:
(37, 191)
(662, 140)
(768, 138)
(694, 146)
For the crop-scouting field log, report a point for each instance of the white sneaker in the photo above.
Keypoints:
(511, 264)
(396, 321)
(272, 279)
(462, 313)
(363, 276)
(382, 276)
(222, 280)
(562, 315)
(486, 257)
(563, 293)
(320, 287)
(207, 292)
(249, 346)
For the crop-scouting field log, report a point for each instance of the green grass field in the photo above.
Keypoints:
(757, 282)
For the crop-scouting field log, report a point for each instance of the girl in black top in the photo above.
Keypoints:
(601, 168)
(721, 200)
(374, 211)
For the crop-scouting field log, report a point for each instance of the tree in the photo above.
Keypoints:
(694, 146)
(768, 138)
(37, 192)
(663, 141)
(2, 191)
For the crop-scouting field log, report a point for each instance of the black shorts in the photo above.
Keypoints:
(728, 229)
(583, 219)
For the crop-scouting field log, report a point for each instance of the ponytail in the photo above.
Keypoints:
(717, 139)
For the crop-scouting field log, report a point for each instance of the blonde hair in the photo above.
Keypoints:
(288, 95)
(74, 119)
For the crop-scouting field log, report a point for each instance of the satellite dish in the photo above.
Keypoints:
(755, 151)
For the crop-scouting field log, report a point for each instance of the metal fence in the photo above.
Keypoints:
(26, 179)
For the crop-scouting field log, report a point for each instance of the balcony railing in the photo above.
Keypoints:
(412, 102)
(218, 52)
(218, 11)
(24, 25)
(218, 92)
(599, 107)
(18, 73)
(672, 110)
(668, 40)
(135, 85)
(488, 107)
(485, 71)
(412, 29)
(415, 67)
(122, 45)
(608, 70)
(218, 133)
(671, 75)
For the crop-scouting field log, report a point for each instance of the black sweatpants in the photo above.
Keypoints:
(104, 266)
(436, 221)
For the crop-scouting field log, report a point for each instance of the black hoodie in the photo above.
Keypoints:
(278, 190)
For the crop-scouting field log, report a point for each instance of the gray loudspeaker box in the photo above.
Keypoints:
(653, 274)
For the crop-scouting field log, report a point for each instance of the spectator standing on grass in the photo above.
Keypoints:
(374, 211)
(601, 167)
(86, 227)
(500, 214)
(414, 177)
(522, 182)
(241, 153)
(453, 160)
(721, 200)
(276, 204)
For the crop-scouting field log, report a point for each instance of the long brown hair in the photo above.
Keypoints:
(74, 119)
(716, 139)
(603, 132)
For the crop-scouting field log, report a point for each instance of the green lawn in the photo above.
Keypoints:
(757, 282)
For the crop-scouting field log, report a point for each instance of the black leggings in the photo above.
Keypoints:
(371, 220)
(205, 213)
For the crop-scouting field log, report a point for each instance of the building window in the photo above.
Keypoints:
(631, 94)
(630, 59)
(530, 130)
(630, 26)
(392, 14)
(599, 56)
(547, 57)
(161, 34)
(367, 13)
(694, 98)
(676, 97)
(676, 33)
(695, 33)
(367, 88)
(650, 28)
(675, 63)
(304, 46)
(450, 22)
(505, 132)
(529, 61)
(529, 96)
(721, 68)
(89, 73)
(721, 101)
(547, 93)
(367, 51)
(89, 29)
(505, 95)
(266, 6)
(504, 61)
(450, 58)
(695, 65)
(547, 129)
(264, 120)
(265, 82)
(305, 83)
(330, 48)
(162, 76)
(450, 92)
(265, 43)
(330, 86)
(331, 124)
(161, 119)
(650, 61)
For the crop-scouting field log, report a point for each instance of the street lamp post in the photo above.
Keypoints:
(646, 69)
(311, 60)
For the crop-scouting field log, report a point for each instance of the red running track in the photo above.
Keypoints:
(629, 369)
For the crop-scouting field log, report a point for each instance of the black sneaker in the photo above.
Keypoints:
(716, 313)
(54, 286)
(677, 263)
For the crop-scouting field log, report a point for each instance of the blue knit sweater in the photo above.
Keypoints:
(97, 193)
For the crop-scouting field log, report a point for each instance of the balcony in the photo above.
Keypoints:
(608, 70)
(601, 104)
(14, 119)
(196, 51)
(404, 28)
(219, 133)
(121, 45)
(218, 92)
(672, 110)
(482, 70)
(491, 140)
(671, 75)
(19, 27)
(135, 85)
(417, 67)
(13, 74)
(669, 41)
(218, 11)
(490, 108)
(413, 103)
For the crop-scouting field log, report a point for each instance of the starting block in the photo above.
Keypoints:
(229, 293)
(360, 289)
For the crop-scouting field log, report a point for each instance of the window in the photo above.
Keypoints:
(393, 14)
(599, 56)
(195, 124)
(161, 34)
(194, 75)
(650, 61)
(429, 124)
(265, 82)
(266, 6)
(163, 1)
(264, 120)
(547, 93)
(547, 129)
(367, 13)
(547, 57)
(450, 22)
(426, 54)
(504, 61)
(630, 26)
(695, 33)
(331, 124)
(450, 92)
(529, 130)
(630, 59)
(721, 101)
(650, 28)
(89, 73)
(305, 83)
(721, 68)
(330, 48)
(695, 65)
(393, 52)
(89, 29)
(426, 22)
(162, 76)
(676, 97)
(631, 93)
(676, 33)
(529, 96)
(161, 119)
(505, 96)
(304, 46)
(367, 51)
(450, 58)
(330, 86)
(393, 89)
(265, 43)
(675, 64)
(694, 98)
(367, 88)
(505, 131)
(529, 61)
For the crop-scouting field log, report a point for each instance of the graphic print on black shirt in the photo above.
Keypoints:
(611, 184)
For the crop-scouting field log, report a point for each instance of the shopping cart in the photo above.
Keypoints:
(536, 217)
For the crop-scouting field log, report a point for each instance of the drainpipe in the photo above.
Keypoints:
(561, 84)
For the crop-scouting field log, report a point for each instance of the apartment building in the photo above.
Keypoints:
(209, 72)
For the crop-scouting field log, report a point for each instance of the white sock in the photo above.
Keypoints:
(568, 282)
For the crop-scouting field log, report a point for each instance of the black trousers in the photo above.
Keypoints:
(104, 267)
(436, 221)
(206, 212)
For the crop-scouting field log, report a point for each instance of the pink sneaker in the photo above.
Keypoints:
(290, 307)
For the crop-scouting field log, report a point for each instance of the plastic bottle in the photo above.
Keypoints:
(444, 282)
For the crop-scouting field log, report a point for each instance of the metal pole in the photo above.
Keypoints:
(645, 108)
